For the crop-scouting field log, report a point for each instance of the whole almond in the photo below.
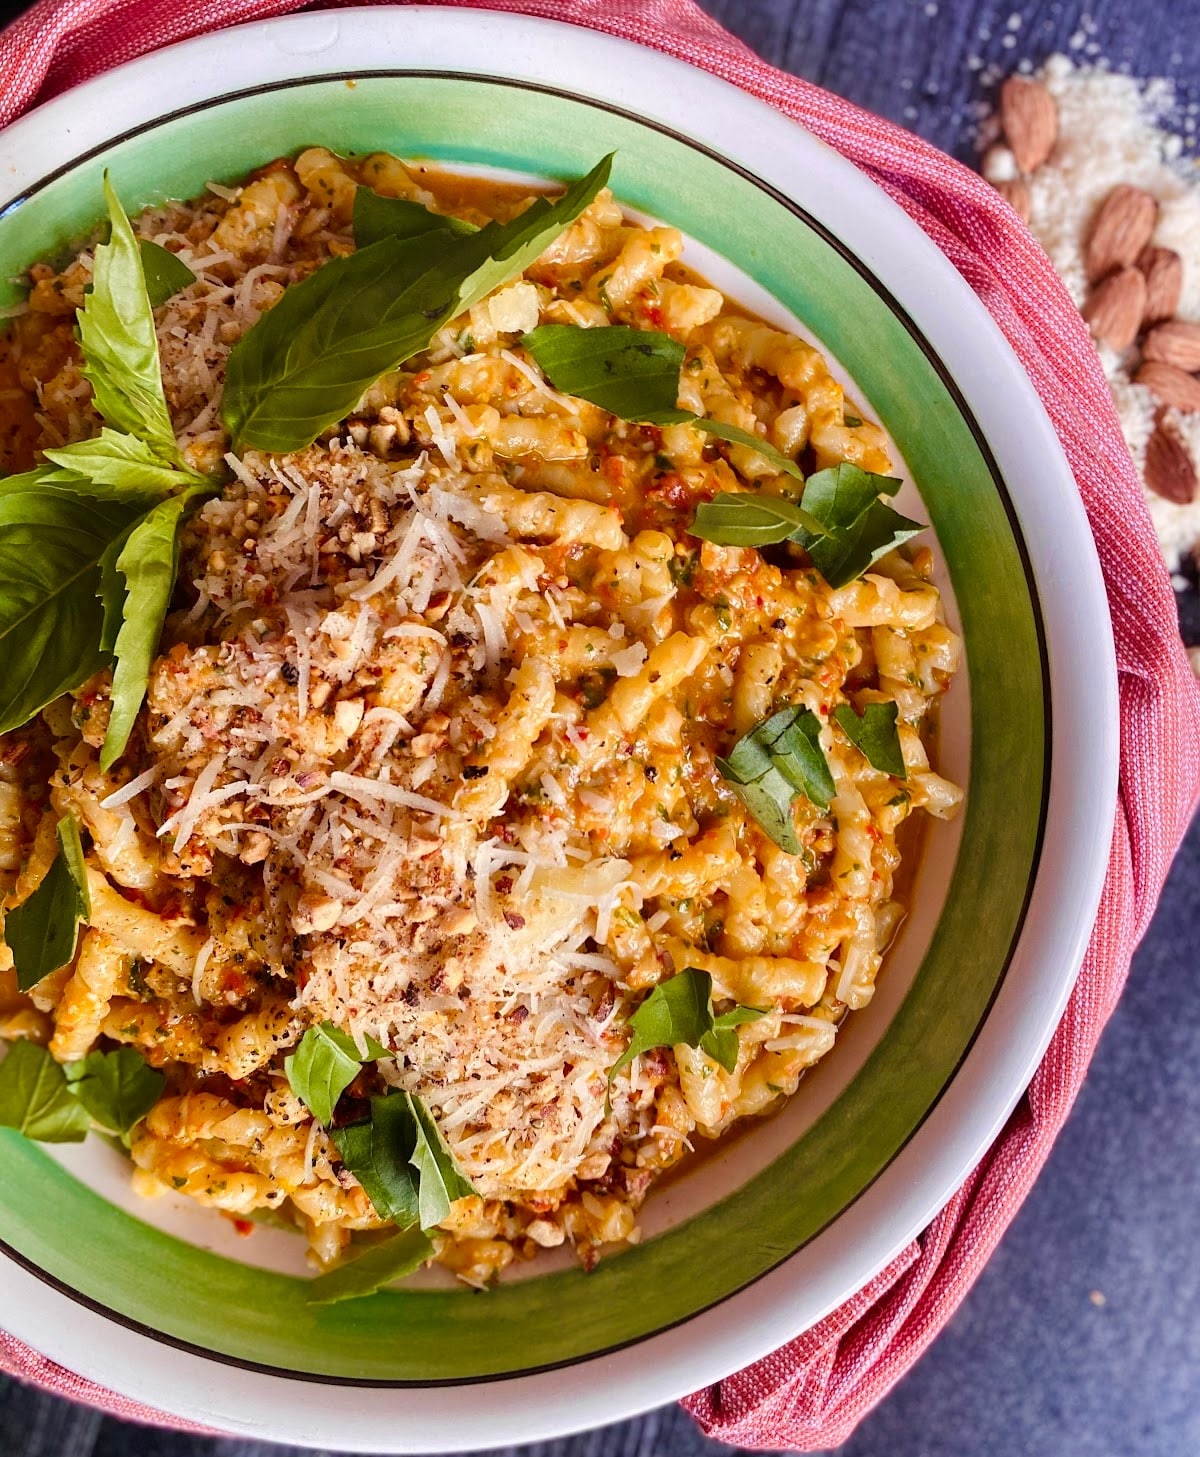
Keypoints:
(1176, 342)
(1168, 469)
(1171, 386)
(1029, 116)
(1120, 230)
(1015, 192)
(1163, 268)
(1114, 308)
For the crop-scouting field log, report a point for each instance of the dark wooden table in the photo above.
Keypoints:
(1082, 1339)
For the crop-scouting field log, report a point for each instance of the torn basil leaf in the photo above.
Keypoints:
(859, 527)
(378, 217)
(875, 734)
(751, 519)
(401, 1160)
(306, 362)
(778, 759)
(632, 373)
(679, 1010)
(117, 1088)
(324, 1065)
(41, 932)
(376, 1267)
(35, 1098)
(166, 274)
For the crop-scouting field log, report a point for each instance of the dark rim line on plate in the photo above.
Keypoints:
(968, 417)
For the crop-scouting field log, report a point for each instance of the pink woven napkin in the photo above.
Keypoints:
(811, 1394)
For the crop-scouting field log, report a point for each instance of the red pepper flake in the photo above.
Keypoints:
(513, 921)
(504, 884)
(244, 1227)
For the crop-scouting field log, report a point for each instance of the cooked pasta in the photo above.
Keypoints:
(430, 745)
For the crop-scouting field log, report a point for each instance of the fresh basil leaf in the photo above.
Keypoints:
(149, 561)
(401, 1160)
(721, 1043)
(875, 734)
(377, 1153)
(52, 542)
(750, 519)
(166, 274)
(35, 1098)
(771, 764)
(378, 217)
(378, 1266)
(305, 364)
(117, 1088)
(116, 334)
(680, 1010)
(859, 527)
(41, 931)
(324, 1065)
(633, 373)
(115, 467)
(438, 1175)
(735, 436)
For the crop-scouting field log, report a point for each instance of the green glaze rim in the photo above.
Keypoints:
(133, 1272)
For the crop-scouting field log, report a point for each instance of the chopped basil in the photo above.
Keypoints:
(751, 519)
(859, 527)
(679, 1010)
(36, 1099)
(324, 1065)
(376, 1267)
(117, 1088)
(307, 361)
(378, 217)
(852, 422)
(165, 272)
(773, 763)
(875, 734)
(41, 931)
(401, 1160)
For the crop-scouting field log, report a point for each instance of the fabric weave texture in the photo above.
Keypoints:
(811, 1394)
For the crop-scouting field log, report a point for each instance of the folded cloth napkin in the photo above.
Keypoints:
(811, 1394)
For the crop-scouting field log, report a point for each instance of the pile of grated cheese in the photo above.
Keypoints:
(1114, 129)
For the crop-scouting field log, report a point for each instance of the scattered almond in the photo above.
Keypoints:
(1170, 386)
(1120, 230)
(1168, 469)
(1029, 116)
(1015, 192)
(1176, 342)
(1163, 268)
(1114, 308)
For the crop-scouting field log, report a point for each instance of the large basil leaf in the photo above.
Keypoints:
(116, 334)
(305, 364)
(149, 560)
(633, 373)
(41, 931)
(117, 1088)
(35, 1098)
(378, 217)
(679, 1010)
(52, 542)
(378, 1266)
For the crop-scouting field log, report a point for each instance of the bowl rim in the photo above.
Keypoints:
(1009, 1045)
